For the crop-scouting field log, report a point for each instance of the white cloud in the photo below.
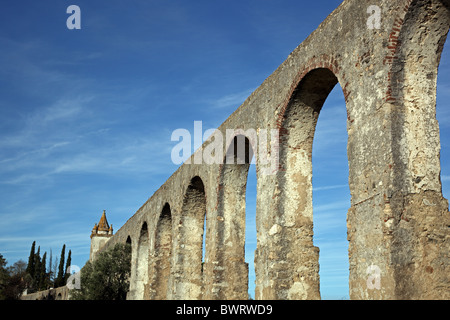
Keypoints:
(331, 130)
(329, 207)
(231, 100)
(25, 179)
(61, 110)
(338, 186)
(18, 247)
(108, 156)
(49, 239)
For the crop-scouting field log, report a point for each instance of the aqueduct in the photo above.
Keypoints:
(398, 219)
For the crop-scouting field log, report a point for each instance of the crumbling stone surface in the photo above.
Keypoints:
(398, 222)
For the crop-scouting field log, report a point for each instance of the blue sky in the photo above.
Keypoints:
(86, 115)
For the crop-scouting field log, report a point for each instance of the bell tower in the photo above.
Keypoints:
(100, 235)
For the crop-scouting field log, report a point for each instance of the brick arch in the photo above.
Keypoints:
(323, 61)
(416, 41)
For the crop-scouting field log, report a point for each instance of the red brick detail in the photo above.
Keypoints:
(393, 45)
(324, 61)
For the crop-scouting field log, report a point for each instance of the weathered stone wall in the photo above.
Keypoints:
(61, 293)
(398, 222)
(96, 243)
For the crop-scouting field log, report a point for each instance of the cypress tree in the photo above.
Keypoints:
(69, 261)
(53, 271)
(37, 270)
(50, 267)
(60, 278)
(4, 278)
(37, 263)
(31, 263)
(43, 274)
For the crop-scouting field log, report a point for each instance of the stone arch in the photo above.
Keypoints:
(162, 254)
(231, 270)
(128, 242)
(417, 40)
(142, 260)
(291, 260)
(189, 266)
(414, 200)
(296, 141)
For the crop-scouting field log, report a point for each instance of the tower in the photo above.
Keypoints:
(100, 235)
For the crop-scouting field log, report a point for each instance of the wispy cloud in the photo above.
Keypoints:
(327, 207)
(110, 156)
(324, 188)
(54, 238)
(231, 100)
(45, 128)
(19, 246)
(331, 129)
(61, 110)
(330, 220)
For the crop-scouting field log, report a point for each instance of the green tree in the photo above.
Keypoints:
(19, 267)
(4, 277)
(52, 266)
(31, 261)
(60, 278)
(49, 275)
(68, 263)
(18, 280)
(37, 270)
(107, 278)
(43, 274)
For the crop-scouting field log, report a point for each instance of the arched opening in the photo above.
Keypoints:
(141, 279)
(231, 275)
(189, 280)
(129, 294)
(250, 228)
(295, 263)
(163, 254)
(331, 196)
(416, 132)
(443, 117)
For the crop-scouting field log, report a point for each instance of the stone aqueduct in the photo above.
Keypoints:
(398, 219)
